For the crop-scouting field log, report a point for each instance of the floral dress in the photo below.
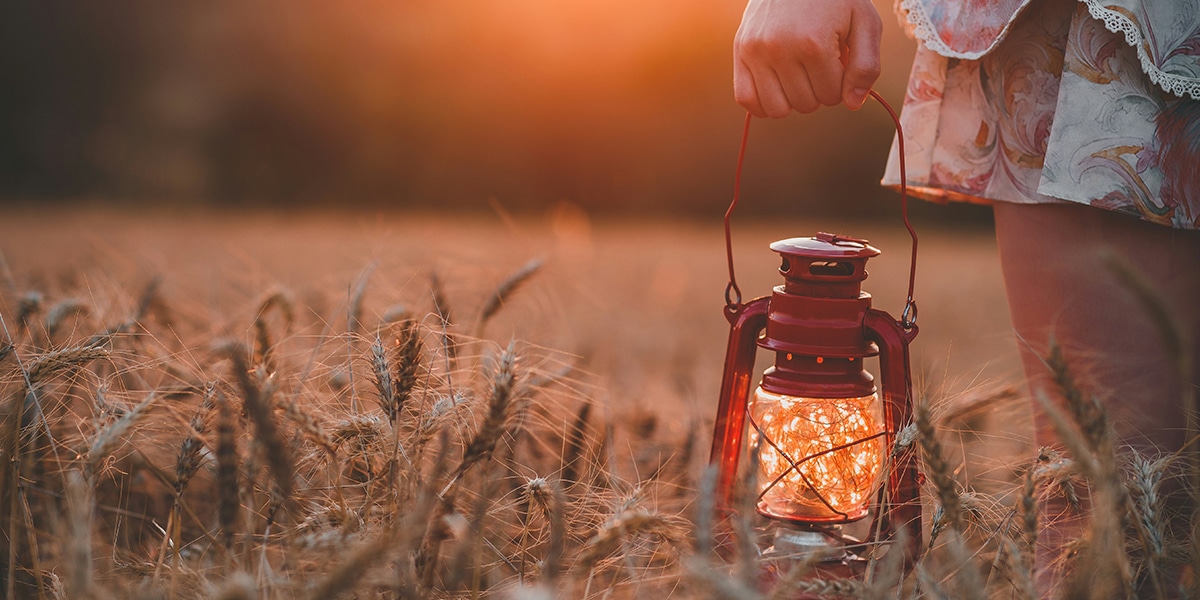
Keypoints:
(1032, 101)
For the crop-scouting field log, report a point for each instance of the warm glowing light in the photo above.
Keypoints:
(824, 456)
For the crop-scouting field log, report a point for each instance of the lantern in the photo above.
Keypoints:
(823, 434)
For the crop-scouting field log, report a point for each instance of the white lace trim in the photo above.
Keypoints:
(1117, 23)
(922, 27)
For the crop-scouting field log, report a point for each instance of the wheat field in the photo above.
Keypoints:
(257, 405)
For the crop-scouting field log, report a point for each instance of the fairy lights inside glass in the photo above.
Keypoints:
(820, 459)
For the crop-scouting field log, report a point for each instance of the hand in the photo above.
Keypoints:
(800, 54)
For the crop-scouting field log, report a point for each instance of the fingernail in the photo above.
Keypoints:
(857, 97)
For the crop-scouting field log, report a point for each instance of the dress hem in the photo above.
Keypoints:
(921, 26)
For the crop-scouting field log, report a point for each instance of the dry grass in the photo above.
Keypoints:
(348, 436)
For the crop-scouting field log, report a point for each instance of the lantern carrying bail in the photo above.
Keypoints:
(733, 294)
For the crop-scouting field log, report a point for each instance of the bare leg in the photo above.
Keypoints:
(1061, 288)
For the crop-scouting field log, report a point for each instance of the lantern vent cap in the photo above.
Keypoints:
(826, 245)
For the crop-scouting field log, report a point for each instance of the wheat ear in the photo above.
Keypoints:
(309, 426)
(670, 528)
(1104, 553)
(61, 311)
(264, 349)
(1148, 507)
(441, 306)
(354, 308)
(105, 440)
(572, 457)
(507, 287)
(383, 379)
(940, 472)
(45, 366)
(483, 444)
(396, 377)
(188, 461)
(27, 306)
(1027, 511)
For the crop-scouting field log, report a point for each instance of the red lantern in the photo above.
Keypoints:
(824, 440)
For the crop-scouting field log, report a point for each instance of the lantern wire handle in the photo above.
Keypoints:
(732, 303)
(733, 294)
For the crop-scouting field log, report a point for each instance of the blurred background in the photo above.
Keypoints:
(227, 148)
(615, 106)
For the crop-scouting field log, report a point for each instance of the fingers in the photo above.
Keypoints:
(823, 70)
(862, 63)
(760, 92)
(788, 55)
(771, 80)
(744, 91)
(798, 88)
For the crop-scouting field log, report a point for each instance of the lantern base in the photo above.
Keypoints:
(824, 553)
(804, 543)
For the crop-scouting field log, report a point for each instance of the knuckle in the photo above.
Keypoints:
(756, 47)
(875, 22)
(806, 106)
(869, 71)
(813, 48)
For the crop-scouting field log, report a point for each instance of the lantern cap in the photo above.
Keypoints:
(826, 245)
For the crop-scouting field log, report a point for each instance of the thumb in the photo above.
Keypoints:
(862, 59)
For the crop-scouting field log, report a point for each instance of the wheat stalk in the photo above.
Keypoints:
(441, 307)
(258, 406)
(1086, 411)
(1027, 512)
(263, 347)
(106, 439)
(940, 472)
(823, 588)
(150, 297)
(309, 426)
(1052, 466)
(1089, 441)
(407, 362)
(354, 308)
(383, 379)
(396, 377)
(229, 490)
(1018, 564)
(78, 537)
(28, 305)
(345, 577)
(506, 288)
(45, 366)
(500, 402)
(61, 311)
(627, 524)
(1148, 508)
(572, 456)
(188, 461)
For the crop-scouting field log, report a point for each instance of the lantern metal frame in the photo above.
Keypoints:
(827, 316)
